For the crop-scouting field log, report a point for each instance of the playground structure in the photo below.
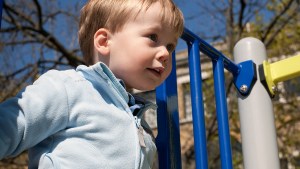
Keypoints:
(276, 72)
(258, 152)
(259, 144)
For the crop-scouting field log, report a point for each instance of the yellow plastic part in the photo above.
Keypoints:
(280, 71)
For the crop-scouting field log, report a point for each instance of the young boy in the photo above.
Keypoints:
(85, 118)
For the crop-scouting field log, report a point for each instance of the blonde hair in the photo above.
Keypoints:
(113, 14)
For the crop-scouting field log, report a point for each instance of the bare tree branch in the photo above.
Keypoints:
(275, 20)
(280, 28)
(241, 16)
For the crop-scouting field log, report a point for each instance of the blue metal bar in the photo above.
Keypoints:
(244, 74)
(1, 6)
(197, 106)
(222, 114)
(168, 139)
(210, 51)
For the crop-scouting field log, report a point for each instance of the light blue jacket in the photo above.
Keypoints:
(75, 119)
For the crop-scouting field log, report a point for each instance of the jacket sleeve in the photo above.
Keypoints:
(36, 113)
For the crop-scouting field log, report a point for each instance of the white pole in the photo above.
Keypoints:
(256, 113)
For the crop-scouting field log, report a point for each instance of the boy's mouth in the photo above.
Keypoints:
(157, 71)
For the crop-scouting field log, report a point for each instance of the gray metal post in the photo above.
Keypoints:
(256, 113)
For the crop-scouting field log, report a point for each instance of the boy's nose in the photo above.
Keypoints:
(163, 55)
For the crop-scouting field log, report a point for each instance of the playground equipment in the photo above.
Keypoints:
(279, 71)
(168, 143)
(255, 106)
(258, 131)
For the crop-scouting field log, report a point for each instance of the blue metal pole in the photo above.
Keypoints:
(239, 72)
(1, 6)
(168, 139)
(222, 114)
(197, 106)
(210, 51)
(259, 143)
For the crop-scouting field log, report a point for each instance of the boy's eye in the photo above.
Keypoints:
(170, 48)
(153, 37)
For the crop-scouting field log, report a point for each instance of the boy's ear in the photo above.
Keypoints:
(101, 39)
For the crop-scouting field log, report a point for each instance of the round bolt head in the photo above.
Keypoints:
(243, 88)
(275, 89)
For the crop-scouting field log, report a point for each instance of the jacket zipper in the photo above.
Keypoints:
(140, 132)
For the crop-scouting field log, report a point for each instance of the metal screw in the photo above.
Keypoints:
(275, 89)
(243, 88)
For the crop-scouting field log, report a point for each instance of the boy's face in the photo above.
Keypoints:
(140, 54)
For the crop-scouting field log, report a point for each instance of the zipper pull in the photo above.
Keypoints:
(141, 136)
(140, 132)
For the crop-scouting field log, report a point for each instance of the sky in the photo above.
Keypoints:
(197, 20)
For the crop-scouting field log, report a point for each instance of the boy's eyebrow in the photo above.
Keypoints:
(154, 27)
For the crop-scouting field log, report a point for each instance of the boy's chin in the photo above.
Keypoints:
(144, 89)
(142, 86)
